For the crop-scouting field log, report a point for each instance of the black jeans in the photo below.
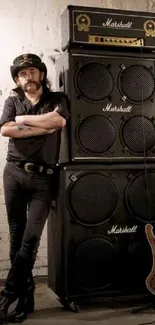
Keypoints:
(28, 198)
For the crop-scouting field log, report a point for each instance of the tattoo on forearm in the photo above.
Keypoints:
(23, 127)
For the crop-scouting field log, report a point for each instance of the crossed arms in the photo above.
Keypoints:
(33, 125)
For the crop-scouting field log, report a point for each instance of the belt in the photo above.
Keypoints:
(32, 167)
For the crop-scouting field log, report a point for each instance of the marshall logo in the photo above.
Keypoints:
(114, 24)
(122, 230)
(110, 108)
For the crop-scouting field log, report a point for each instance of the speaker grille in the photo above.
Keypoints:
(137, 83)
(94, 81)
(94, 264)
(138, 264)
(96, 134)
(92, 199)
(138, 134)
(140, 196)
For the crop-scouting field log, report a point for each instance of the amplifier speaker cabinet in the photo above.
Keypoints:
(96, 236)
(112, 106)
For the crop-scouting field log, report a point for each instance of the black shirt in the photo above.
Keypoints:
(42, 149)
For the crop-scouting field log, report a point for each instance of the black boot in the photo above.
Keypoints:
(5, 302)
(24, 306)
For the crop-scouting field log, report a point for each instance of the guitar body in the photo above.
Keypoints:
(150, 280)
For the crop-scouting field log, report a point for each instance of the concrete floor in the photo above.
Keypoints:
(49, 311)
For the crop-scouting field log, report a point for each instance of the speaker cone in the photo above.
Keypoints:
(95, 134)
(140, 196)
(94, 264)
(92, 198)
(137, 83)
(94, 81)
(138, 135)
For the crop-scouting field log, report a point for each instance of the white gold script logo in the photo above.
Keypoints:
(113, 23)
(122, 230)
(110, 108)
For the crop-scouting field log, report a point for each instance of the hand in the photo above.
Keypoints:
(19, 119)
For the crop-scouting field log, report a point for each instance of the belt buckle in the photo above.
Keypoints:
(27, 165)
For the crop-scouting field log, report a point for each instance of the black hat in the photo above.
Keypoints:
(25, 61)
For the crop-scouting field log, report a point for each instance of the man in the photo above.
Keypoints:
(32, 118)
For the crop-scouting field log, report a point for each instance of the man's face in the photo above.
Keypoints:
(29, 79)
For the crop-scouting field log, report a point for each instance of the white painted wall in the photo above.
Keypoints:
(34, 26)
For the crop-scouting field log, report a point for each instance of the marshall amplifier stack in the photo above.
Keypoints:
(106, 190)
(83, 26)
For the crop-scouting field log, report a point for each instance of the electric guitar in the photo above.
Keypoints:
(150, 280)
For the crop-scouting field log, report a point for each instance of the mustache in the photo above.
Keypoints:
(37, 84)
(32, 82)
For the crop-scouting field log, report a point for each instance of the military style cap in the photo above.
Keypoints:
(26, 61)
